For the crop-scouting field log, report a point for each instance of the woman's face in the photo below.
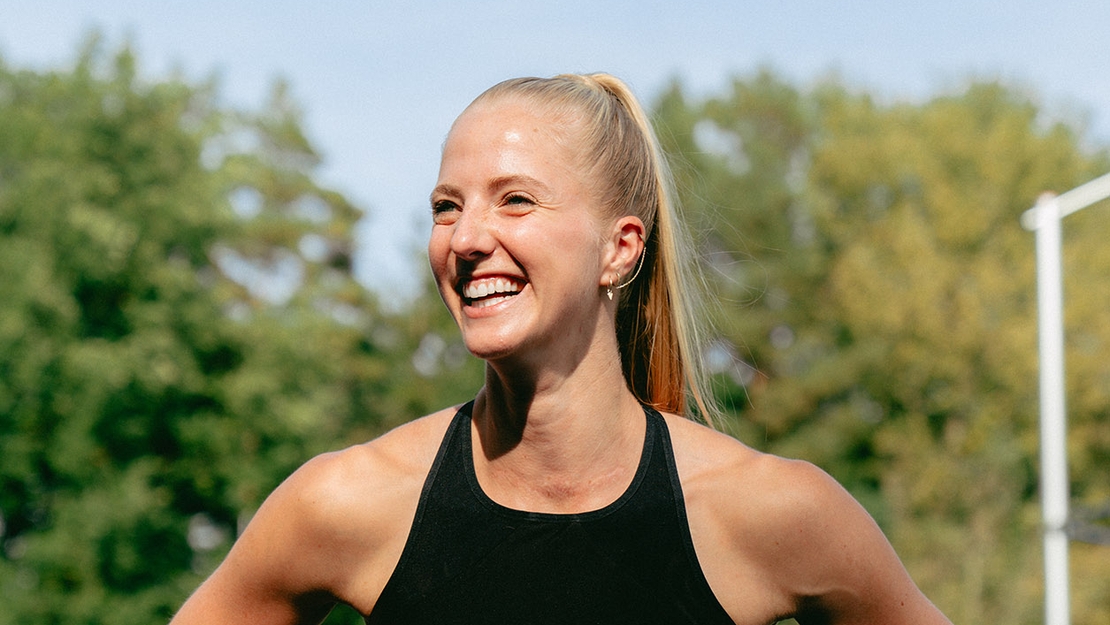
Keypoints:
(517, 245)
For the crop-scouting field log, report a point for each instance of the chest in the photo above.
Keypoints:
(468, 559)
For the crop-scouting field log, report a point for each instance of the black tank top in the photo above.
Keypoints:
(471, 560)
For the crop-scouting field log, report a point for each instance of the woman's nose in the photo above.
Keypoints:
(473, 236)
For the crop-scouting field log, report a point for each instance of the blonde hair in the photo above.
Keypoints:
(657, 325)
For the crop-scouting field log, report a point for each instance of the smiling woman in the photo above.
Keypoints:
(572, 489)
(588, 138)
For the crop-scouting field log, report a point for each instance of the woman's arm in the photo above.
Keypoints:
(780, 538)
(332, 532)
(273, 573)
(832, 557)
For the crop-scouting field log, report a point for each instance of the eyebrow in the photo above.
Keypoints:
(443, 189)
(497, 183)
(514, 179)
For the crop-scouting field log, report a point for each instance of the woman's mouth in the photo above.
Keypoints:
(489, 291)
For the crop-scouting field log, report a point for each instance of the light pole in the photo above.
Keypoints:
(1044, 219)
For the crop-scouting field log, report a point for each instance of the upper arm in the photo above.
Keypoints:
(833, 558)
(270, 575)
(333, 531)
(315, 539)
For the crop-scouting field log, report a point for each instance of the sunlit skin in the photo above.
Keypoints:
(556, 429)
(510, 203)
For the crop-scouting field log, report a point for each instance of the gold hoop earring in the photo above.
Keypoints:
(609, 289)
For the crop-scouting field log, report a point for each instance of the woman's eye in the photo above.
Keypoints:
(517, 199)
(443, 210)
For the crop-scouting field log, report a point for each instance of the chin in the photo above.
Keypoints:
(487, 351)
(493, 347)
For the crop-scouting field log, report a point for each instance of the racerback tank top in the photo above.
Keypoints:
(471, 560)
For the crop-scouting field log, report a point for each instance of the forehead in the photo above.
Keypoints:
(516, 119)
(507, 134)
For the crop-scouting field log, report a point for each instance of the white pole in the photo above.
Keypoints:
(1084, 195)
(1045, 218)
(1054, 468)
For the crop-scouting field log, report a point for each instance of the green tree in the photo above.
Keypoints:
(179, 330)
(877, 299)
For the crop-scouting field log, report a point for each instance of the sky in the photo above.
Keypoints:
(381, 81)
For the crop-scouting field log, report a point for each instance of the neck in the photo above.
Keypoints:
(557, 440)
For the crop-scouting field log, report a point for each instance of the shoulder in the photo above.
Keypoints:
(359, 498)
(785, 531)
(762, 494)
(333, 530)
(758, 499)
(363, 474)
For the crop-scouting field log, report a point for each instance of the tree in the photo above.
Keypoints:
(179, 330)
(878, 303)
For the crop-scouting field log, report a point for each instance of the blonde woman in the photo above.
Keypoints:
(574, 488)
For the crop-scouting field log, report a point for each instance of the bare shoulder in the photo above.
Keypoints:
(359, 502)
(746, 495)
(333, 530)
(701, 451)
(759, 494)
(713, 465)
(368, 473)
(784, 535)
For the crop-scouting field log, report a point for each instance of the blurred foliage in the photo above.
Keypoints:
(876, 297)
(180, 329)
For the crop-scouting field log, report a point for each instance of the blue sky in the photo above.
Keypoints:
(380, 82)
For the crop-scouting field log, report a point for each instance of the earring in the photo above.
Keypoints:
(609, 289)
(639, 266)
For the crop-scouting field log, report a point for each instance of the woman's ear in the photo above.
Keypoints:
(626, 246)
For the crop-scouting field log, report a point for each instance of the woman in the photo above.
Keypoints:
(560, 495)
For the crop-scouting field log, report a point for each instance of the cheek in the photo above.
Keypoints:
(438, 259)
(439, 251)
(577, 244)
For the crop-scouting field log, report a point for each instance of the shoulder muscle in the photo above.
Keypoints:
(331, 531)
(785, 535)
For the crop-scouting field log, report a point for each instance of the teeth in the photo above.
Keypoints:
(482, 288)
